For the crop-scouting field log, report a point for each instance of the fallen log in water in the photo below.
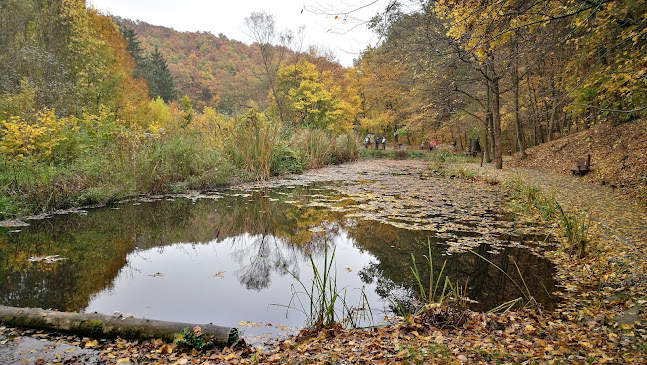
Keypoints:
(104, 326)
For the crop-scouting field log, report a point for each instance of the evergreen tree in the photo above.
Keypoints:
(158, 77)
(135, 50)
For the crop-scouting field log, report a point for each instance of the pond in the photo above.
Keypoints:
(238, 257)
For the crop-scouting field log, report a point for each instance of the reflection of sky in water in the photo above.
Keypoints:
(226, 282)
(208, 255)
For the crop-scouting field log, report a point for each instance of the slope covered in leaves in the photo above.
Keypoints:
(617, 155)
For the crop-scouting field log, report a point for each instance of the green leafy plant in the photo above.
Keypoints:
(193, 339)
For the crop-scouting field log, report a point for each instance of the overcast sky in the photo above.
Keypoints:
(218, 16)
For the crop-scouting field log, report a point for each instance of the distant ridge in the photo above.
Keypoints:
(211, 70)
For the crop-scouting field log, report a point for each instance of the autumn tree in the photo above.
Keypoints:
(313, 98)
(136, 52)
(262, 28)
(62, 56)
(607, 77)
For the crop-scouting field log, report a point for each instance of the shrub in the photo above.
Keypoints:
(285, 160)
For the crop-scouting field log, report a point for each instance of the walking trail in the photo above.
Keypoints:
(621, 219)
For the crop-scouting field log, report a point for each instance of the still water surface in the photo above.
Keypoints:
(231, 258)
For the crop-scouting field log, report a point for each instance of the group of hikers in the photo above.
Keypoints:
(432, 144)
(367, 141)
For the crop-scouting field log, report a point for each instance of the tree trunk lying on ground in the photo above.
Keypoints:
(100, 325)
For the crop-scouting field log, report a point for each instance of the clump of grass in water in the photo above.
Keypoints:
(444, 161)
(326, 304)
(575, 228)
(576, 231)
(435, 293)
(453, 299)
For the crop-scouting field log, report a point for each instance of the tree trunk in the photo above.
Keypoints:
(496, 121)
(517, 120)
(551, 121)
(103, 326)
(489, 147)
(486, 153)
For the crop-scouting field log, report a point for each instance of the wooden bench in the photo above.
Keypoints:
(583, 167)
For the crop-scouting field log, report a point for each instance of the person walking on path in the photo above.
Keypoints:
(377, 142)
(455, 146)
(422, 146)
(383, 143)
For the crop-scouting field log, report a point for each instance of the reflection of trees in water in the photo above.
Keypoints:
(272, 237)
(262, 255)
(491, 286)
(64, 285)
(488, 285)
(268, 237)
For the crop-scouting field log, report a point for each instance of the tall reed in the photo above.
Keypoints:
(251, 143)
(325, 304)
(315, 144)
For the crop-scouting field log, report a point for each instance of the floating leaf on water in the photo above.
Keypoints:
(248, 324)
(46, 259)
(13, 223)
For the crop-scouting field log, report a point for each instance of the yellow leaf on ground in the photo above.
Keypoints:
(230, 357)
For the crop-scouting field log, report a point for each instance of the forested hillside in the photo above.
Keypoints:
(216, 71)
(212, 70)
(63, 57)
(94, 108)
